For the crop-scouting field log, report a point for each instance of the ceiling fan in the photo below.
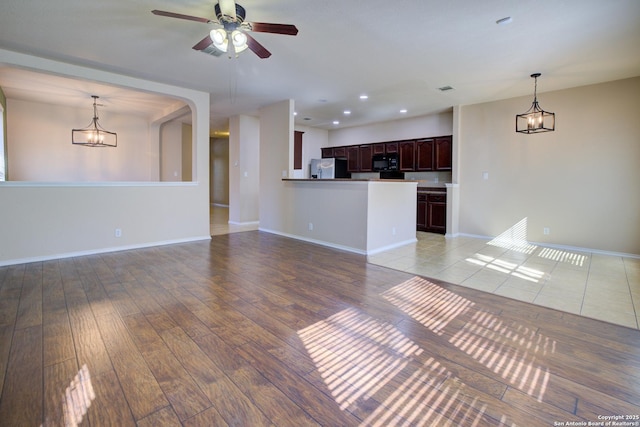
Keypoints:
(232, 38)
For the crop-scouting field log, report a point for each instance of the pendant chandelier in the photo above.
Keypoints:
(535, 119)
(94, 135)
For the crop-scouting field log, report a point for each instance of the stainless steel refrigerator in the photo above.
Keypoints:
(329, 168)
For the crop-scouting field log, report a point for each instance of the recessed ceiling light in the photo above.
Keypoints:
(295, 113)
(335, 122)
(504, 21)
(347, 112)
(404, 110)
(364, 96)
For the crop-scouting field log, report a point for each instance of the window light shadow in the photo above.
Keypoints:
(363, 360)
(515, 239)
(367, 362)
(76, 399)
(514, 351)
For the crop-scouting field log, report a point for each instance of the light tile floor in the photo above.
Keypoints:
(589, 284)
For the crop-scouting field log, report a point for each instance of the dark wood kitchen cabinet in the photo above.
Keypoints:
(433, 154)
(421, 217)
(353, 158)
(442, 153)
(424, 154)
(366, 158)
(437, 213)
(379, 148)
(391, 147)
(407, 155)
(432, 212)
(340, 152)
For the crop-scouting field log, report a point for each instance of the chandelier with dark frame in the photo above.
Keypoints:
(94, 135)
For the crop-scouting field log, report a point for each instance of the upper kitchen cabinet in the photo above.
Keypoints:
(353, 158)
(340, 152)
(424, 154)
(391, 147)
(366, 157)
(379, 148)
(433, 154)
(407, 155)
(443, 153)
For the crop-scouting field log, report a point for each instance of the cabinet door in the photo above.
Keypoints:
(327, 152)
(366, 158)
(424, 154)
(437, 213)
(391, 147)
(353, 163)
(340, 152)
(407, 155)
(297, 149)
(442, 153)
(421, 217)
(379, 149)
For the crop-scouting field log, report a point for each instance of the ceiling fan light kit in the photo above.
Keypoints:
(94, 135)
(535, 119)
(232, 38)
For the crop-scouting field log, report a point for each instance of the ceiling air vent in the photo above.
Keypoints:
(445, 88)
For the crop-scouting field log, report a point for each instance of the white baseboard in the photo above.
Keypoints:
(244, 223)
(317, 242)
(341, 247)
(561, 247)
(100, 251)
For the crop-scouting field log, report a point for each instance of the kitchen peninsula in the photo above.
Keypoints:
(358, 215)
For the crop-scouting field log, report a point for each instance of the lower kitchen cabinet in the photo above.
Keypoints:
(432, 212)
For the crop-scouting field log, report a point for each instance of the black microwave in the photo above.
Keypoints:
(385, 162)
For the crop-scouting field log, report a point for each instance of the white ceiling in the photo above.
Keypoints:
(397, 52)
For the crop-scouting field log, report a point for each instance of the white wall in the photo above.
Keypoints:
(581, 181)
(415, 127)
(40, 149)
(244, 169)
(49, 220)
(276, 162)
(171, 151)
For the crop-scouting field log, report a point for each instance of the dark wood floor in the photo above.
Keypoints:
(255, 329)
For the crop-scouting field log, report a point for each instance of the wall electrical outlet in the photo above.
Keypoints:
(118, 232)
(545, 230)
(310, 226)
(393, 231)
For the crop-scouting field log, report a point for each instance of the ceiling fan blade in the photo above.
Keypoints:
(257, 48)
(181, 16)
(264, 27)
(228, 7)
(203, 44)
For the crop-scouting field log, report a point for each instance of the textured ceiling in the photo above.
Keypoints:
(399, 53)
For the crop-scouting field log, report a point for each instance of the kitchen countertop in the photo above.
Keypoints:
(431, 189)
(348, 180)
